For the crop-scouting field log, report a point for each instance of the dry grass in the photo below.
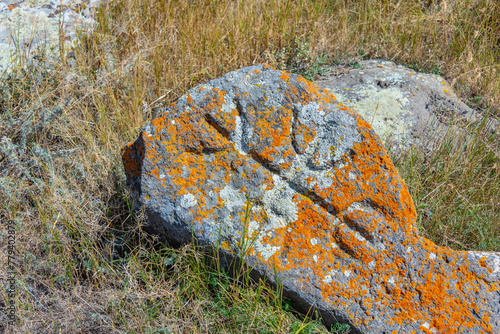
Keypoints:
(84, 263)
(456, 188)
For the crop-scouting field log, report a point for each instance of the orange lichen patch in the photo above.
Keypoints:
(482, 263)
(192, 132)
(344, 192)
(285, 76)
(377, 169)
(304, 135)
(271, 139)
(358, 249)
(302, 238)
(274, 128)
(196, 174)
(223, 122)
(132, 156)
(314, 93)
(268, 67)
(448, 310)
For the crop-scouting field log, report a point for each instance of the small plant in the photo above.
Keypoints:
(297, 58)
(415, 67)
(355, 65)
(433, 70)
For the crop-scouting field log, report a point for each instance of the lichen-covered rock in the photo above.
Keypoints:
(328, 215)
(404, 107)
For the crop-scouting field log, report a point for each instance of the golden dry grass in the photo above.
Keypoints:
(84, 263)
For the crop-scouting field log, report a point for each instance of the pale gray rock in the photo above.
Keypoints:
(28, 27)
(403, 106)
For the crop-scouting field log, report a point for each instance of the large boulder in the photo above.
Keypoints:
(267, 168)
(405, 108)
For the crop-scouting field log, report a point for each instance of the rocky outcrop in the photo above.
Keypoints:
(268, 168)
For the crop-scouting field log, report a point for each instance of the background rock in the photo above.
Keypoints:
(267, 168)
(403, 106)
(27, 27)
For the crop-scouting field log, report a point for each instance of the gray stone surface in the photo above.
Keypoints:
(28, 27)
(328, 215)
(404, 107)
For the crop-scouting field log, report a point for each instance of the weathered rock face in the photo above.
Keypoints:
(329, 215)
(27, 26)
(404, 107)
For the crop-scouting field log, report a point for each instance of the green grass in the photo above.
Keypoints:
(85, 263)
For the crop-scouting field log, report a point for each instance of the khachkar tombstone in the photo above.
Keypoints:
(329, 216)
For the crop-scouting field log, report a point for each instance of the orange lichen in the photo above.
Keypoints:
(337, 241)
(304, 135)
(378, 183)
(285, 76)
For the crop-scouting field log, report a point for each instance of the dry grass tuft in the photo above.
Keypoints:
(84, 264)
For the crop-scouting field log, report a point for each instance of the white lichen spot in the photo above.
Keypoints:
(233, 199)
(228, 105)
(356, 206)
(173, 122)
(432, 256)
(347, 273)
(315, 258)
(359, 237)
(371, 265)
(408, 250)
(391, 280)
(327, 279)
(267, 251)
(253, 228)
(426, 325)
(237, 136)
(314, 241)
(278, 203)
(162, 176)
(188, 201)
